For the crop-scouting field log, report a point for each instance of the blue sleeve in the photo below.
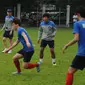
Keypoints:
(20, 31)
(5, 17)
(76, 28)
(53, 24)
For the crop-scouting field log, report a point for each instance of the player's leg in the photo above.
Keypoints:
(53, 56)
(51, 46)
(70, 76)
(27, 59)
(4, 43)
(10, 40)
(77, 64)
(17, 63)
(42, 47)
(5, 36)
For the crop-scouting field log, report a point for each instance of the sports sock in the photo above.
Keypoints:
(53, 61)
(17, 64)
(30, 66)
(41, 60)
(69, 79)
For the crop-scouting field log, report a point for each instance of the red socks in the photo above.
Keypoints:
(69, 79)
(17, 64)
(30, 66)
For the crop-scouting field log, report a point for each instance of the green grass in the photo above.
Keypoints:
(49, 75)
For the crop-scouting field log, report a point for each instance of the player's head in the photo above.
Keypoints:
(81, 11)
(9, 12)
(46, 17)
(16, 23)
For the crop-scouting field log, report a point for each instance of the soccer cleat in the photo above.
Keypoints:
(38, 67)
(4, 50)
(54, 64)
(10, 51)
(14, 73)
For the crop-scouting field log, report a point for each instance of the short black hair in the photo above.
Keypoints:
(81, 11)
(46, 15)
(16, 21)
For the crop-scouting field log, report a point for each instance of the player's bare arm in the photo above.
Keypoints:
(76, 39)
(14, 45)
(3, 27)
(11, 30)
(26, 39)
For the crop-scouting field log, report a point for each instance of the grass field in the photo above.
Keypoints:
(49, 75)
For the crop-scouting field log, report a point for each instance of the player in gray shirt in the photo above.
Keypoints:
(8, 33)
(47, 32)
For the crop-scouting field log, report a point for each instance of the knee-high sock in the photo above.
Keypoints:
(17, 64)
(69, 79)
(30, 65)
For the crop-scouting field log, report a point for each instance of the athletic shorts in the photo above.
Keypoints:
(44, 43)
(78, 62)
(26, 55)
(7, 34)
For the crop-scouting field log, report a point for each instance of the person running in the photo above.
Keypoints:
(78, 62)
(28, 50)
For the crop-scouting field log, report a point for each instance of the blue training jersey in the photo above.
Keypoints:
(79, 27)
(21, 39)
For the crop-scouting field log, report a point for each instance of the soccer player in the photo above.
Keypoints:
(28, 50)
(79, 37)
(47, 31)
(75, 18)
(8, 33)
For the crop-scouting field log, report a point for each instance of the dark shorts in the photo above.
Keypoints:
(26, 55)
(7, 34)
(44, 43)
(78, 62)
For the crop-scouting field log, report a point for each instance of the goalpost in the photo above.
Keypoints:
(68, 16)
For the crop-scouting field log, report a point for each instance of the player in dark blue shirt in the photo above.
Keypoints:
(27, 51)
(79, 37)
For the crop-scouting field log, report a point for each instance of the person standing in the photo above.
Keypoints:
(47, 31)
(8, 32)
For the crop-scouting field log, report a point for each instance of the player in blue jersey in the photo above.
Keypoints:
(47, 32)
(27, 51)
(8, 33)
(79, 37)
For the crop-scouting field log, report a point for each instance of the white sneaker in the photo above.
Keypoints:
(54, 64)
(10, 51)
(40, 62)
(14, 73)
(4, 50)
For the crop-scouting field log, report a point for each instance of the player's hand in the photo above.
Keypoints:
(6, 51)
(64, 48)
(29, 45)
(38, 41)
